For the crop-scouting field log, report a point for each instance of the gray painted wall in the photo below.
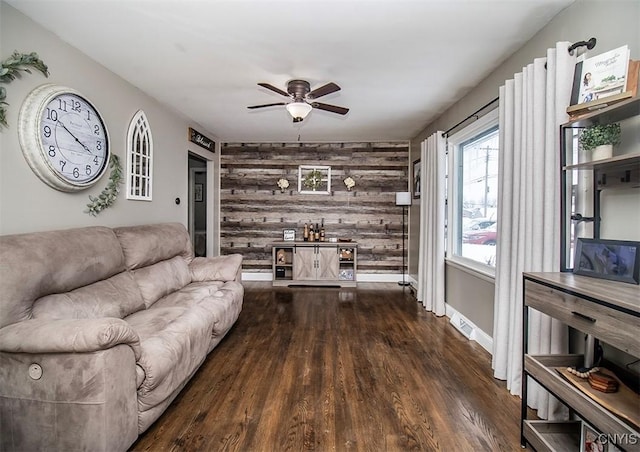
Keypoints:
(613, 23)
(26, 203)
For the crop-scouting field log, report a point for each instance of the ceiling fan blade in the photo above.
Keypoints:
(323, 90)
(331, 108)
(274, 89)
(266, 105)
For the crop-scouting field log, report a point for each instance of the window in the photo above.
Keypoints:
(473, 191)
(139, 158)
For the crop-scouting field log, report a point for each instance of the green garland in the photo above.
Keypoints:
(110, 193)
(10, 70)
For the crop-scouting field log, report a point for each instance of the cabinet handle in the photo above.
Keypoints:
(582, 316)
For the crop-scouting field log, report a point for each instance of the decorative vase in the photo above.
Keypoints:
(601, 152)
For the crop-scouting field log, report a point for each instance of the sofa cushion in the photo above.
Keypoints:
(174, 342)
(191, 294)
(222, 300)
(118, 296)
(38, 264)
(162, 278)
(227, 301)
(148, 244)
(220, 268)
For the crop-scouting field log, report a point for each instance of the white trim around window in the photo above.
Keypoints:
(454, 223)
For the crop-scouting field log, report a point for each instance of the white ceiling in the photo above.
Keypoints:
(400, 63)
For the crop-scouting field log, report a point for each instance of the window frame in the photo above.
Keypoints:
(454, 193)
(139, 127)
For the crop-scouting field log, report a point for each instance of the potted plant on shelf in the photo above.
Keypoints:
(600, 139)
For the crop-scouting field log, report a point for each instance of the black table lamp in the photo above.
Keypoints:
(403, 198)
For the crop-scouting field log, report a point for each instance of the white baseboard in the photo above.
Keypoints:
(248, 276)
(380, 277)
(468, 329)
(361, 277)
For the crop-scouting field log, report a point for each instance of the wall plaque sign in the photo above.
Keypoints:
(202, 141)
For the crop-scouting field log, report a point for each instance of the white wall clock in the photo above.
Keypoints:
(63, 138)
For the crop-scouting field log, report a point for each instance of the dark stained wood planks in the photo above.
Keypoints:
(326, 369)
(254, 211)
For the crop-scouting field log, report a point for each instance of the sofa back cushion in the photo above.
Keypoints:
(147, 244)
(43, 263)
(118, 296)
(162, 278)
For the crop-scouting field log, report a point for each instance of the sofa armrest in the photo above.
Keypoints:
(219, 268)
(67, 335)
(78, 401)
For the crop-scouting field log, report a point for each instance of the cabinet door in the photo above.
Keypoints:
(328, 263)
(304, 263)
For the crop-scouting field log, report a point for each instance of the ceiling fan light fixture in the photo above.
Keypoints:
(298, 109)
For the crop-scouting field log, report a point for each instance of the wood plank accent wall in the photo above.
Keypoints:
(254, 211)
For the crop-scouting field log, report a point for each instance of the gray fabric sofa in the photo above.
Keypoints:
(100, 329)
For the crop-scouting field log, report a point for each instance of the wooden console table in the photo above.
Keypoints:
(608, 310)
(315, 263)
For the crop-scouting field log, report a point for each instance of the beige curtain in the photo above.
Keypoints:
(532, 107)
(432, 214)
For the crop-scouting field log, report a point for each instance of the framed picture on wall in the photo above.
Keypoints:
(314, 179)
(416, 178)
(197, 192)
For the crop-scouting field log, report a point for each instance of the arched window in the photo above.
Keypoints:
(139, 158)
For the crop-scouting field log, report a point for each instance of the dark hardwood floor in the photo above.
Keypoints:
(329, 369)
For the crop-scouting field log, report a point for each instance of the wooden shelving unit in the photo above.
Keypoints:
(620, 172)
(608, 310)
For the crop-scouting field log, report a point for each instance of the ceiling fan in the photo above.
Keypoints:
(303, 99)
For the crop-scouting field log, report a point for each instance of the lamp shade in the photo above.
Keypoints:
(403, 198)
(299, 109)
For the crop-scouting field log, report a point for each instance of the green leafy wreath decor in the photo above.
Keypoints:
(110, 193)
(10, 70)
(313, 179)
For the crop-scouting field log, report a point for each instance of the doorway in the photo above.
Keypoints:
(198, 204)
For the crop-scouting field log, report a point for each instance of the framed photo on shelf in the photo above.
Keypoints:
(617, 260)
(600, 76)
(591, 440)
(289, 235)
(417, 174)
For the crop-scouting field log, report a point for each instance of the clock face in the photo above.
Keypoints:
(73, 138)
(63, 138)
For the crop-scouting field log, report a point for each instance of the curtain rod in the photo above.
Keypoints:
(590, 44)
(472, 115)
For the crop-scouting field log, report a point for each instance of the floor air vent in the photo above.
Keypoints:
(462, 325)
